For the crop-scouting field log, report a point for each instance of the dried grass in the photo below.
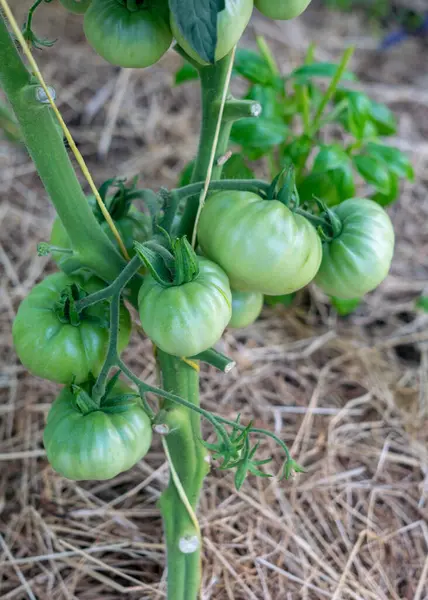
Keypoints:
(348, 395)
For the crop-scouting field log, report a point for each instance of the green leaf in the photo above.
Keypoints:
(343, 182)
(197, 22)
(330, 158)
(285, 300)
(392, 195)
(397, 161)
(236, 168)
(333, 187)
(319, 69)
(374, 172)
(298, 148)
(156, 259)
(186, 73)
(383, 118)
(358, 113)
(258, 136)
(422, 303)
(253, 67)
(345, 307)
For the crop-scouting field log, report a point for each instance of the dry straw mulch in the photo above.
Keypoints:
(348, 395)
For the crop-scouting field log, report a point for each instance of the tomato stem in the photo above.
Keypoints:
(213, 79)
(190, 467)
(44, 140)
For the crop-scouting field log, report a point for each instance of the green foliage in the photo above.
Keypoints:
(297, 102)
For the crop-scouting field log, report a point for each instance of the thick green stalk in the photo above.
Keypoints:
(44, 142)
(188, 458)
(213, 79)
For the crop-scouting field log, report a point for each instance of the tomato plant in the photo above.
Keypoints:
(86, 441)
(50, 345)
(358, 257)
(246, 307)
(131, 33)
(282, 9)
(258, 237)
(261, 244)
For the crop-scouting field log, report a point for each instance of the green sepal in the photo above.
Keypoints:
(158, 261)
(186, 263)
(288, 194)
(110, 385)
(83, 400)
(335, 224)
(65, 308)
(119, 404)
(273, 188)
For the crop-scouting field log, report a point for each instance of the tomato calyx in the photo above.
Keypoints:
(119, 205)
(171, 262)
(110, 402)
(66, 308)
(333, 227)
(283, 188)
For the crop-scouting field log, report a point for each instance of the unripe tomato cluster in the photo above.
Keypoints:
(137, 33)
(256, 246)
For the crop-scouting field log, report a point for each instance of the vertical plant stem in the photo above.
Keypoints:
(44, 142)
(187, 455)
(213, 80)
(330, 91)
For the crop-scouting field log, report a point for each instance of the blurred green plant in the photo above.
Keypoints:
(296, 112)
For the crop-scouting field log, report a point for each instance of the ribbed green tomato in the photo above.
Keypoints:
(246, 307)
(184, 320)
(97, 445)
(128, 33)
(358, 259)
(78, 7)
(282, 10)
(231, 24)
(261, 244)
(60, 351)
(134, 226)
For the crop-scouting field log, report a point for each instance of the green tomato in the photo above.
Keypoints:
(97, 445)
(78, 7)
(231, 23)
(282, 10)
(246, 307)
(135, 226)
(358, 259)
(60, 351)
(187, 319)
(126, 35)
(261, 244)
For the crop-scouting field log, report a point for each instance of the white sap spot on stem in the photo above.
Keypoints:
(41, 94)
(189, 544)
